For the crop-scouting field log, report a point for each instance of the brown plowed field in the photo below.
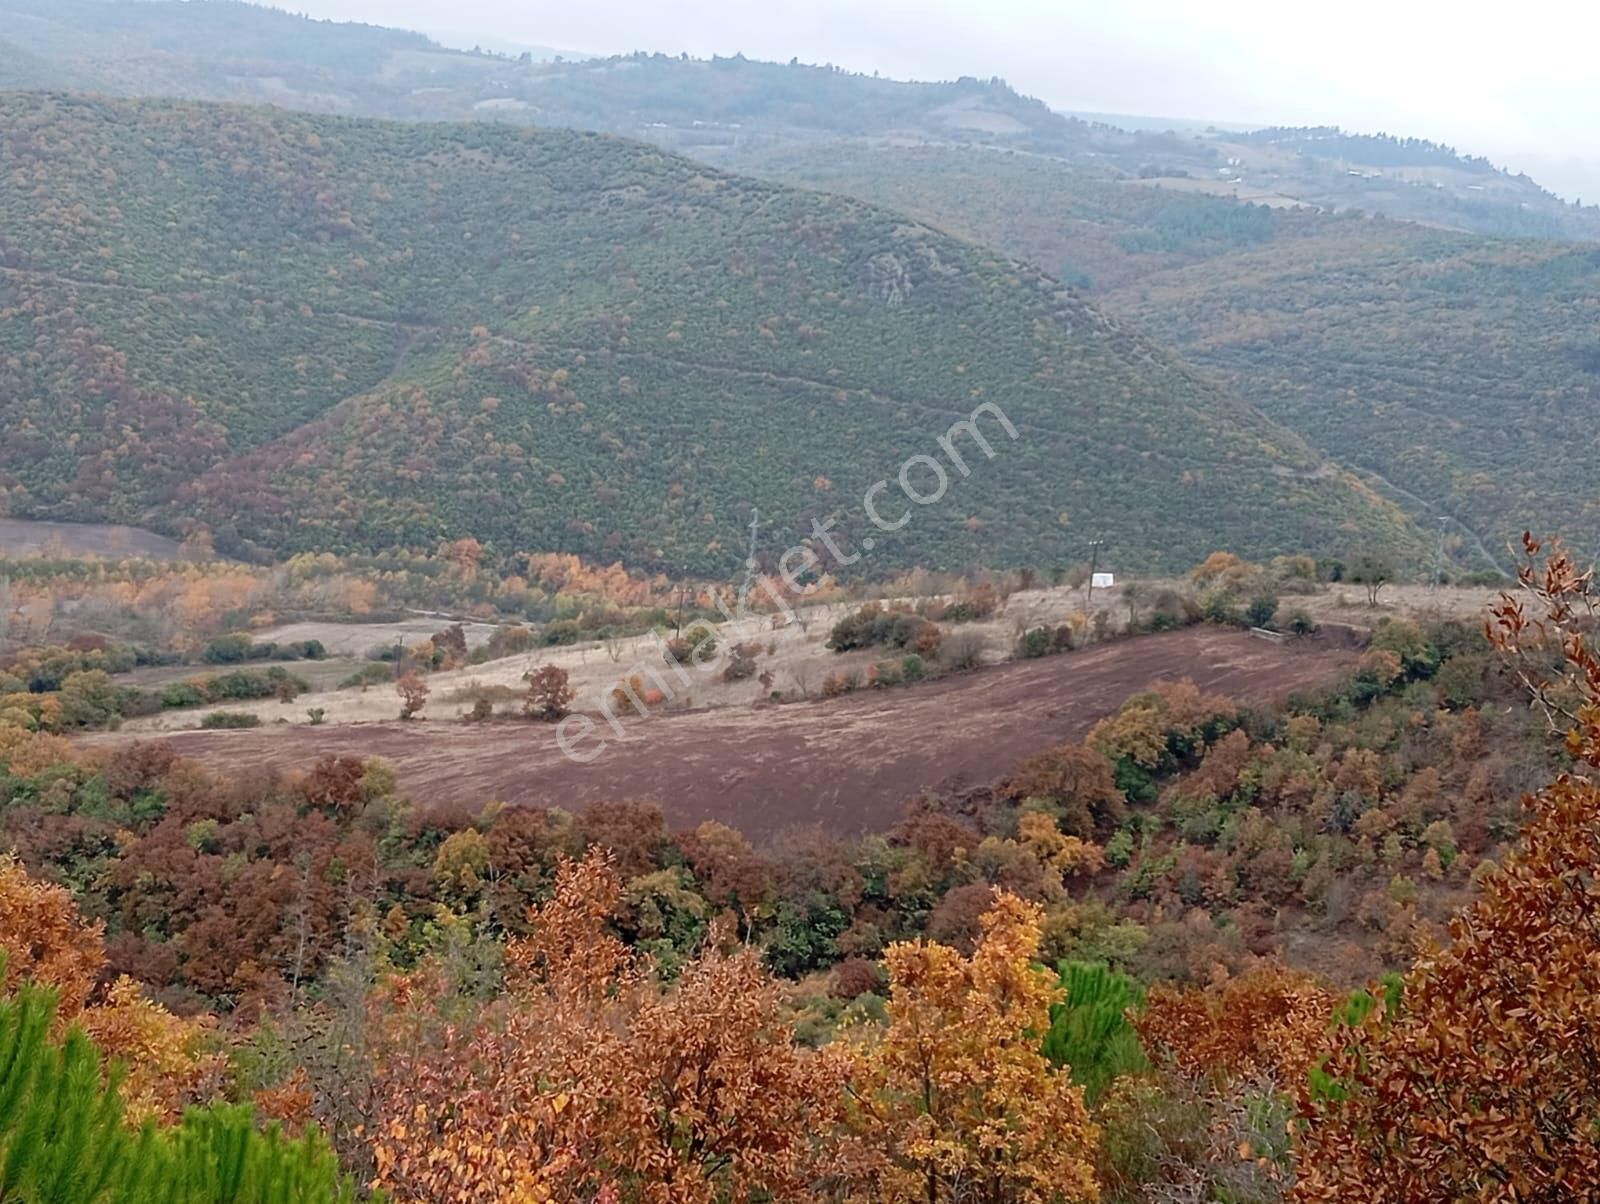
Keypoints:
(848, 764)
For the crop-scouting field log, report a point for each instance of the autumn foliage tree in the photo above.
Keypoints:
(954, 1100)
(45, 941)
(1078, 780)
(413, 693)
(549, 695)
(1222, 569)
(1481, 1083)
(1268, 1022)
(43, 938)
(591, 1080)
(451, 646)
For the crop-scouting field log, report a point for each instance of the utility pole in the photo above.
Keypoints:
(750, 560)
(1438, 554)
(1094, 562)
(683, 584)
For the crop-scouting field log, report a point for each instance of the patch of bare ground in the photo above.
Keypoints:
(848, 764)
(29, 537)
(795, 658)
(1346, 603)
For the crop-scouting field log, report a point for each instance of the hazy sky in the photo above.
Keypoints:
(1517, 82)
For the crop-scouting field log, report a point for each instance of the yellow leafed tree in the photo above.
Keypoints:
(954, 1101)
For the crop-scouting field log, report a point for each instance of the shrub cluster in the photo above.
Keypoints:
(43, 670)
(980, 603)
(604, 624)
(505, 641)
(229, 719)
(1043, 641)
(238, 648)
(872, 626)
(742, 664)
(697, 644)
(276, 682)
(367, 675)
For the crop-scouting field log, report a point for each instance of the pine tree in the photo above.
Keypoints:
(1090, 1031)
(64, 1138)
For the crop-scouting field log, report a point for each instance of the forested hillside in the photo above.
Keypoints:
(225, 50)
(217, 47)
(1464, 370)
(1091, 233)
(318, 332)
(1396, 348)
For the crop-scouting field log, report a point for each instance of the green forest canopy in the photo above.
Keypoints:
(1463, 370)
(316, 332)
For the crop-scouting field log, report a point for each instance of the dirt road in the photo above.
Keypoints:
(847, 764)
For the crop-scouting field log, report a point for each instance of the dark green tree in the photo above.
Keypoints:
(1090, 1031)
(64, 1139)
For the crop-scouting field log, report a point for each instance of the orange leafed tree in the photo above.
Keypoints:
(1268, 1022)
(1485, 1084)
(1080, 780)
(591, 1081)
(954, 1101)
(43, 938)
(413, 693)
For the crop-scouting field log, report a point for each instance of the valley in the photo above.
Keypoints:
(1390, 347)
(636, 628)
(795, 654)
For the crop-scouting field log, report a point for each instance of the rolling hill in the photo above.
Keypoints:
(313, 332)
(1091, 233)
(1398, 348)
(724, 108)
(1462, 373)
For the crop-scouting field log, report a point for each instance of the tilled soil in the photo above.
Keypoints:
(848, 764)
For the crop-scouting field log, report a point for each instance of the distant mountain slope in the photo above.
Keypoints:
(316, 332)
(1464, 370)
(129, 32)
(1408, 178)
(1090, 232)
(1467, 373)
(21, 69)
(224, 50)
